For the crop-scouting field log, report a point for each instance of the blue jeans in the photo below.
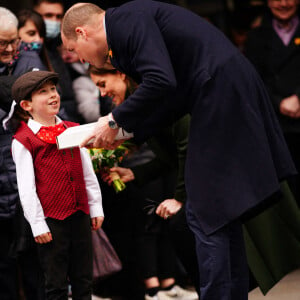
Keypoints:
(222, 261)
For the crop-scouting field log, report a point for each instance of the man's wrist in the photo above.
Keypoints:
(111, 122)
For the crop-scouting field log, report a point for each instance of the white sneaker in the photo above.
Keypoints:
(94, 297)
(147, 297)
(177, 293)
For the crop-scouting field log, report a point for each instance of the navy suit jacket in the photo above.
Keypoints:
(236, 152)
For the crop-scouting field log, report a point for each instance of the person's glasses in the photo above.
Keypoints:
(14, 43)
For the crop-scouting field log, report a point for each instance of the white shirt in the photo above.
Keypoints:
(30, 201)
(104, 25)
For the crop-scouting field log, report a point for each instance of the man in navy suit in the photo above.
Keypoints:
(236, 153)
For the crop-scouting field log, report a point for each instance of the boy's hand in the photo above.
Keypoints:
(97, 222)
(43, 238)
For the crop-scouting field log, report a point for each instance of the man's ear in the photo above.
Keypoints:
(80, 32)
(26, 105)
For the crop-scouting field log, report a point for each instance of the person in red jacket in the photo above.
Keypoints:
(58, 189)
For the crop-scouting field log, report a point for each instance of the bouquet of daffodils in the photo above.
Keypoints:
(103, 160)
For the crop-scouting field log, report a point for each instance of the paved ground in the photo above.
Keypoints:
(287, 289)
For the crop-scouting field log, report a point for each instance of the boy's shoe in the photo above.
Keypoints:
(177, 293)
(147, 297)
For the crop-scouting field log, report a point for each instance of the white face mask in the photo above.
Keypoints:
(52, 28)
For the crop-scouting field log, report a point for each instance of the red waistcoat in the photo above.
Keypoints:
(59, 178)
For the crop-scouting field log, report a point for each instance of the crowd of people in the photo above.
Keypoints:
(208, 162)
(33, 37)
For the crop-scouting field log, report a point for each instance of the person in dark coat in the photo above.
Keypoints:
(8, 202)
(17, 249)
(236, 152)
(274, 49)
(157, 185)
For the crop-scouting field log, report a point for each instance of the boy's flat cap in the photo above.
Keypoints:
(29, 82)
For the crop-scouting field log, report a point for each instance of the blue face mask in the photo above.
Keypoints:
(33, 46)
(52, 28)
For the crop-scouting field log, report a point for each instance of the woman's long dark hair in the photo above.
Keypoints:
(27, 14)
(131, 84)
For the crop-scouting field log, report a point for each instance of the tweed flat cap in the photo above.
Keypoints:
(29, 82)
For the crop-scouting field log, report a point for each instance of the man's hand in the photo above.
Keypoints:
(104, 136)
(290, 107)
(96, 222)
(168, 208)
(43, 238)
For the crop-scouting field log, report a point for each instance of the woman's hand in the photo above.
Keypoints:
(43, 238)
(125, 174)
(168, 208)
(96, 222)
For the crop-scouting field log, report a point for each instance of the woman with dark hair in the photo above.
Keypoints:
(109, 71)
(155, 179)
(32, 32)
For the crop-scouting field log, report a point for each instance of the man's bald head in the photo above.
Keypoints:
(78, 15)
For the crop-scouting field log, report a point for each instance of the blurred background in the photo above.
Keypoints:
(233, 17)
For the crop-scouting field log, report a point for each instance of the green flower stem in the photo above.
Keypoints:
(119, 185)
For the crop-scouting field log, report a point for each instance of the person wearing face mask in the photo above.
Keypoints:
(32, 33)
(52, 28)
(52, 12)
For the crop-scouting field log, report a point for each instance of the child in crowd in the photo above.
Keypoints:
(58, 189)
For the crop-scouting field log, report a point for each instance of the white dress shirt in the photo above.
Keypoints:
(31, 204)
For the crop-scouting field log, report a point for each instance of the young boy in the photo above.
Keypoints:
(58, 189)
